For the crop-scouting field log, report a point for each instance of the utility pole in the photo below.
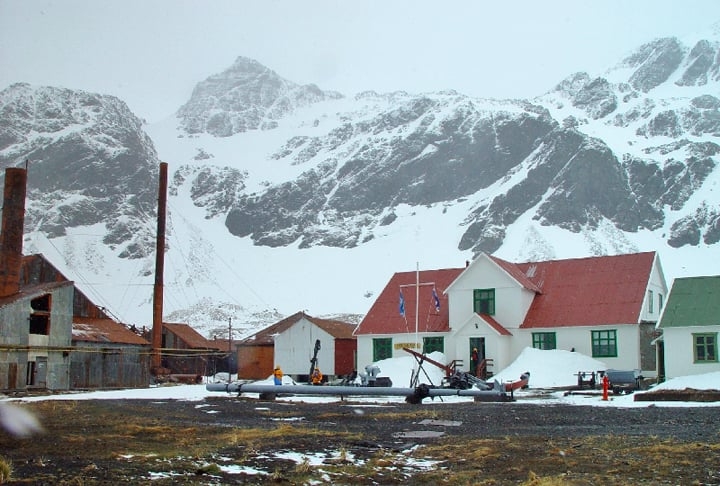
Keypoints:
(230, 335)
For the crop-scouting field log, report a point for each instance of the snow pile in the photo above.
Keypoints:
(706, 381)
(550, 368)
(400, 370)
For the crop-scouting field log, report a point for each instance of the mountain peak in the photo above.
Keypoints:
(246, 96)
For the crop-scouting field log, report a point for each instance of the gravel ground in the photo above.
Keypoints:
(172, 442)
(480, 419)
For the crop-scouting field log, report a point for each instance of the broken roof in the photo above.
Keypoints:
(104, 331)
(192, 338)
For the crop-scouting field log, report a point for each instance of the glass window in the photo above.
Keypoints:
(544, 340)
(382, 348)
(660, 302)
(650, 301)
(484, 301)
(604, 344)
(705, 348)
(431, 344)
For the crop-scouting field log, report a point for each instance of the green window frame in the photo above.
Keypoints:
(604, 344)
(484, 301)
(382, 348)
(435, 343)
(544, 340)
(705, 348)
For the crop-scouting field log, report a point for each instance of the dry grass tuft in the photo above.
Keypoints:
(5, 470)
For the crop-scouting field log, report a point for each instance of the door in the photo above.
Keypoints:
(661, 360)
(479, 344)
(40, 372)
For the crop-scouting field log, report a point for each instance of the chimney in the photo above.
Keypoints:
(11, 235)
(159, 270)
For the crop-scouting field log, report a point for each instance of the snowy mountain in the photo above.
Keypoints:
(286, 197)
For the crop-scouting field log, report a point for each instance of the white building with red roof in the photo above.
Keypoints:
(605, 307)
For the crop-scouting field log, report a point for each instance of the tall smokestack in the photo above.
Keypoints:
(11, 235)
(159, 269)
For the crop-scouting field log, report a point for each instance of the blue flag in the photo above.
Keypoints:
(402, 304)
(436, 300)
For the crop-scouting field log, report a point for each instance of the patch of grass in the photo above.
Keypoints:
(577, 461)
(5, 470)
(96, 443)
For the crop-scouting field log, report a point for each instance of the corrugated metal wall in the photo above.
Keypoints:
(100, 366)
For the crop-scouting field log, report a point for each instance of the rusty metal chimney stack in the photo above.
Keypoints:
(159, 270)
(11, 235)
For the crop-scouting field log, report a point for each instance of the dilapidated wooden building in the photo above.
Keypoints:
(51, 335)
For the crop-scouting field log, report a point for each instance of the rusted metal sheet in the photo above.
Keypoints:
(159, 267)
(11, 235)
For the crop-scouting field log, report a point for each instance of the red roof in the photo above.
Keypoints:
(337, 329)
(588, 291)
(515, 272)
(384, 316)
(495, 325)
(192, 338)
(104, 331)
(574, 292)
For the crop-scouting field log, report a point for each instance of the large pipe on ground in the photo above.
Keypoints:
(11, 235)
(414, 395)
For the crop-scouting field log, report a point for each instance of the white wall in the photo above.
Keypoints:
(365, 346)
(497, 347)
(295, 347)
(580, 338)
(658, 286)
(512, 301)
(679, 353)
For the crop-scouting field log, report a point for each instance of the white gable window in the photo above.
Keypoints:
(484, 301)
(650, 305)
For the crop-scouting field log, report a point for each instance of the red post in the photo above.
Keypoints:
(606, 383)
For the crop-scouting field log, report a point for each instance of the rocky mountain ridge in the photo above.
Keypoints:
(612, 158)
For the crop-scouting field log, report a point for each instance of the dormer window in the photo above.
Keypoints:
(484, 301)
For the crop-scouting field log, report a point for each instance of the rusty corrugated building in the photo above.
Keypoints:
(185, 351)
(39, 309)
(107, 355)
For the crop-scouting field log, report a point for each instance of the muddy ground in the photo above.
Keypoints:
(230, 440)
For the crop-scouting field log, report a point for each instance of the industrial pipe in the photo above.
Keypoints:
(415, 394)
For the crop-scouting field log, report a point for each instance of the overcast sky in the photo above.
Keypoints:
(151, 53)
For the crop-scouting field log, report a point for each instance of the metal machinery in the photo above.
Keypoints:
(455, 384)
